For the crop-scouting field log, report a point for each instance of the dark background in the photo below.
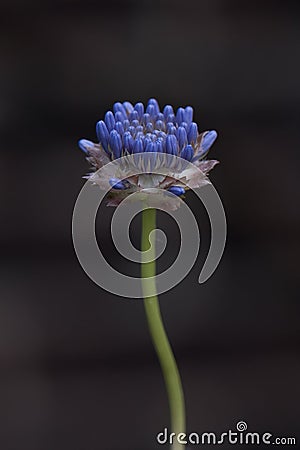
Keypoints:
(77, 368)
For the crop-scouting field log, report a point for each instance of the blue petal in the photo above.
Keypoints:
(85, 145)
(135, 123)
(182, 137)
(208, 140)
(150, 147)
(134, 116)
(138, 146)
(160, 146)
(119, 127)
(171, 129)
(154, 148)
(117, 184)
(149, 127)
(109, 120)
(115, 143)
(171, 118)
(171, 144)
(128, 107)
(184, 125)
(187, 153)
(177, 190)
(147, 141)
(139, 108)
(159, 125)
(102, 134)
(162, 134)
(126, 124)
(151, 110)
(168, 110)
(118, 107)
(189, 114)
(139, 134)
(154, 102)
(146, 118)
(180, 116)
(119, 116)
(128, 141)
(192, 133)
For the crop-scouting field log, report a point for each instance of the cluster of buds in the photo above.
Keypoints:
(138, 130)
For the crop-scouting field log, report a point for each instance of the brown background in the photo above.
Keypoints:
(77, 367)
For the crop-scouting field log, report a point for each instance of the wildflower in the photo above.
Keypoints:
(151, 138)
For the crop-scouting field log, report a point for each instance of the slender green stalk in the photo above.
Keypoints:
(158, 334)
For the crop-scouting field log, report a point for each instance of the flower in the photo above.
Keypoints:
(165, 151)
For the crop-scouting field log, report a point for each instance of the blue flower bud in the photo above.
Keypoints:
(180, 116)
(119, 116)
(160, 145)
(161, 117)
(109, 120)
(155, 146)
(118, 107)
(128, 141)
(126, 124)
(139, 128)
(147, 141)
(138, 146)
(115, 143)
(149, 127)
(184, 125)
(177, 190)
(182, 137)
(208, 140)
(146, 118)
(171, 118)
(135, 123)
(151, 110)
(168, 110)
(171, 144)
(134, 115)
(171, 129)
(139, 108)
(119, 127)
(128, 107)
(151, 147)
(192, 133)
(154, 102)
(187, 153)
(162, 134)
(102, 135)
(159, 125)
(85, 145)
(189, 114)
(139, 134)
(117, 184)
(131, 130)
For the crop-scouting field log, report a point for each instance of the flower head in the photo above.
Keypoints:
(151, 138)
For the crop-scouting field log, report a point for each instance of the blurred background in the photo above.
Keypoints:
(77, 367)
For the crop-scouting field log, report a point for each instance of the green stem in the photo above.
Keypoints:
(158, 334)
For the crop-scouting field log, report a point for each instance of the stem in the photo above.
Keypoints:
(158, 334)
